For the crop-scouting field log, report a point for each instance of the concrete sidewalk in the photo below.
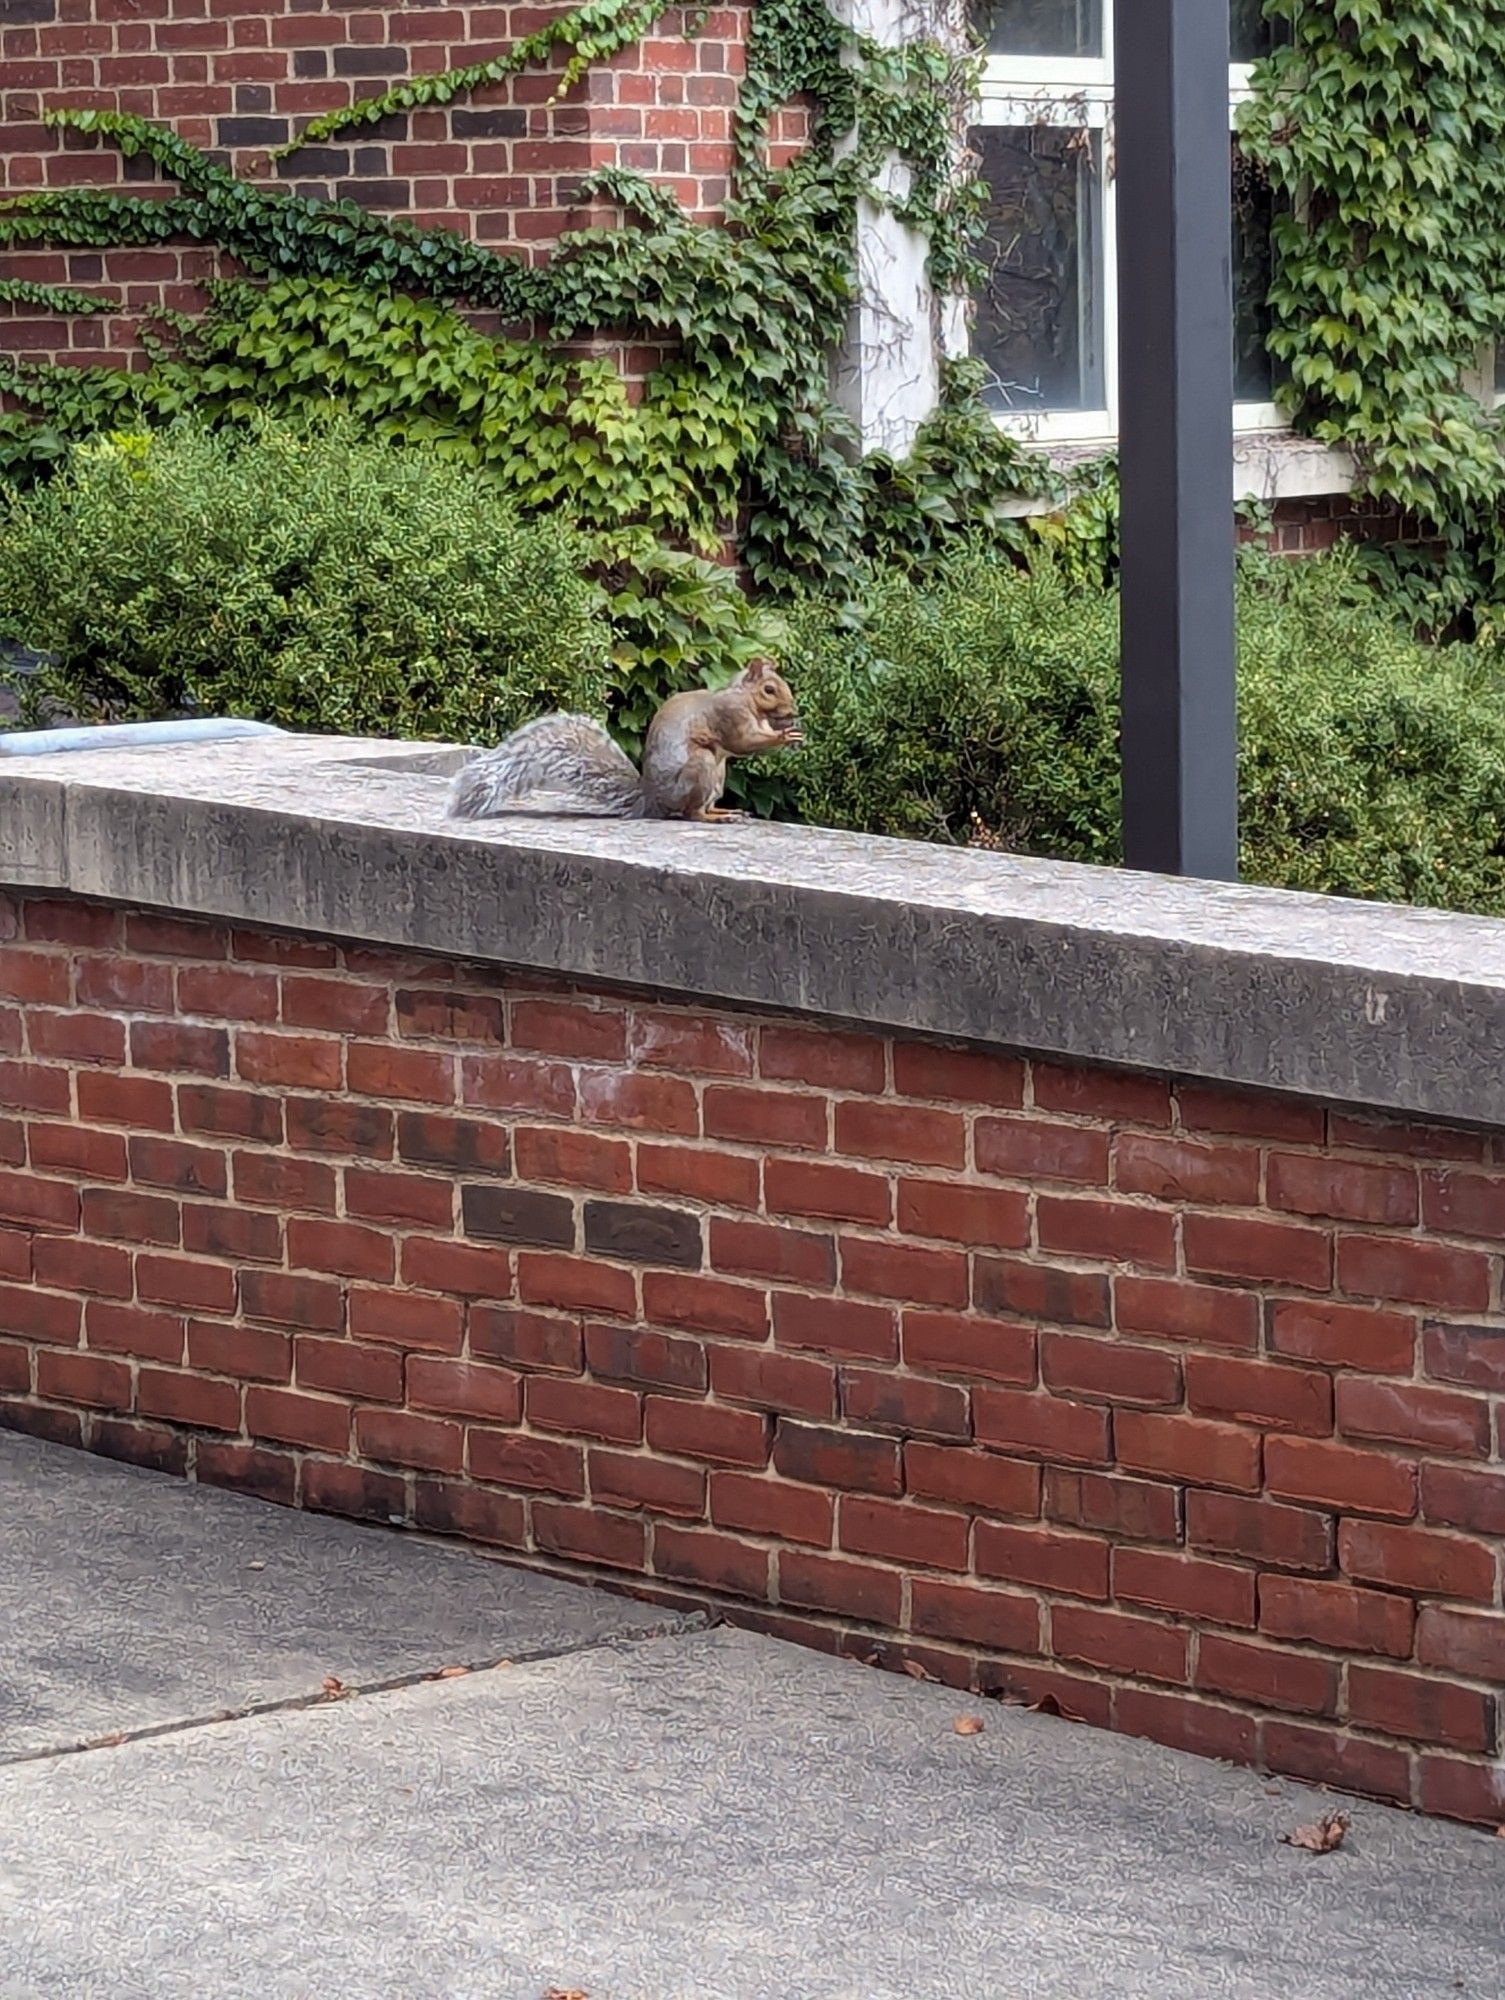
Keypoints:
(638, 1807)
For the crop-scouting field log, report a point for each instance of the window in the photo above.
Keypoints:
(1046, 318)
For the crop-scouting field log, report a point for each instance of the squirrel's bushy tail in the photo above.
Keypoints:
(559, 764)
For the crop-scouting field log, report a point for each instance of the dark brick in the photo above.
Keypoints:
(1139, 1509)
(434, 1139)
(504, 122)
(375, 194)
(235, 1114)
(329, 160)
(381, 60)
(246, 1468)
(313, 62)
(440, 1015)
(240, 1233)
(470, 1511)
(531, 1340)
(38, 1420)
(1474, 1355)
(150, 1446)
(1037, 1291)
(351, 1489)
(643, 1235)
(519, 1215)
(637, 1354)
(327, 1125)
(849, 1459)
(879, 1398)
(252, 131)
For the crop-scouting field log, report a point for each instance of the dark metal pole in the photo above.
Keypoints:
(1175, 394)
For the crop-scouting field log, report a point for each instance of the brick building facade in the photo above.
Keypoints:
(503, 165)
(240, 78)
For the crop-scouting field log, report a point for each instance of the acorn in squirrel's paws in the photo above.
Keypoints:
(568, 765)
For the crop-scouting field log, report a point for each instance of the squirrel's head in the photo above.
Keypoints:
(772, 702)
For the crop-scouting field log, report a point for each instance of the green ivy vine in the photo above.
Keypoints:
(589, 34)
(1381, 124)
(735, 435)
(53, 298)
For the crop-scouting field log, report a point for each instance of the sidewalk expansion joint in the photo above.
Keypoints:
(335, 1691)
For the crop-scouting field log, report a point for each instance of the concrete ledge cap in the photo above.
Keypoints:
(1362, 1003)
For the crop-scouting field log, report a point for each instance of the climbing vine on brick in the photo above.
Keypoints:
(590, 34)
(53, 298)
(1382, 124)
(735, 432)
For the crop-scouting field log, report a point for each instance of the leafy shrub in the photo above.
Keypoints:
(680, 622)
(313, 575)
(677, 622)
(307, 575)
(981, 704)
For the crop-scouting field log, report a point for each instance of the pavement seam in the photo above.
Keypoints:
(292, 1704)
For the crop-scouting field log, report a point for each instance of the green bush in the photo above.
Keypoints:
(316, 576)
(307, 575)
(981, 705)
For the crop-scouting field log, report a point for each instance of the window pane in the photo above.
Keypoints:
(1039, 303)
(1253, 269)
(1041, 27)
(1253, 35)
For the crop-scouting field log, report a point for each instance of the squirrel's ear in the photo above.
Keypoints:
(757, 670)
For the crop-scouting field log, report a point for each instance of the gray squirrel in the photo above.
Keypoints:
(567, 764)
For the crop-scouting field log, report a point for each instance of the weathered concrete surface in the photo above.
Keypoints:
(721, 1816)
(131, 1602)
(708, 1814)
(1361, 1003)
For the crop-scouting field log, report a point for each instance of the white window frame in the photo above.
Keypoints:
(1491, 388)
(1076, 92)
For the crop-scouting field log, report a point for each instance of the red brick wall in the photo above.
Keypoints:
(1177, 1408)
(239, 77)
(1304, 527)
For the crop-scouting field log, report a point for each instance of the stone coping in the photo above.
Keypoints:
(1361, 1003)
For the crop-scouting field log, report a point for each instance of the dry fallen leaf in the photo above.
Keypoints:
(450, 1673)
(334, 1687)
(110, 1742)
(969, 1725)
(566, 1993)
(1321, 1838)
(916, 1672)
